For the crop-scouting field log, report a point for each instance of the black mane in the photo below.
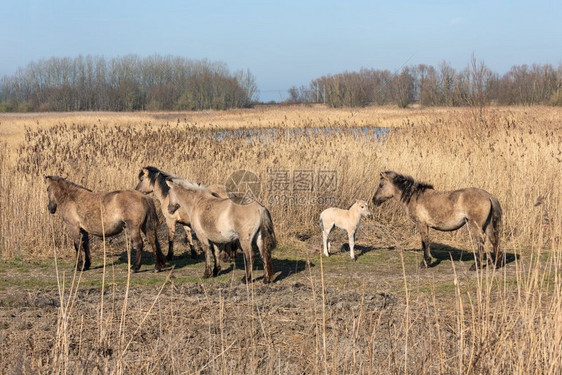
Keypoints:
(407, 185)
(158, 178)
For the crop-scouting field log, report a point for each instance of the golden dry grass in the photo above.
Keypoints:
(504, 322)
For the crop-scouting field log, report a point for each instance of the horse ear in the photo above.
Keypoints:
(389, 175)
(170, 183)
(48, 178)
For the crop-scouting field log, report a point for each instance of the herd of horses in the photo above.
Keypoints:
(222, 223)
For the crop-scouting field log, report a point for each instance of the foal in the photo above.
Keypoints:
(343, 219)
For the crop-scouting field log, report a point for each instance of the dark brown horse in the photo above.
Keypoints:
(445, 211)
(104, 214)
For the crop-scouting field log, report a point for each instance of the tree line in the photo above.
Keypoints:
(130, 83)
(475, 85)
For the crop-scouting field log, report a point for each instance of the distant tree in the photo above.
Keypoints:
(404, 88)
(126, 83)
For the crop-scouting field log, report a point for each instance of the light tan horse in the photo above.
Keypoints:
(104, 214)
(153, 180)
(344, 219)
(221, 221)
(445, 211)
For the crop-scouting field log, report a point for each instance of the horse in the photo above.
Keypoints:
(153, 180)
(221, 220)
(445, 211)
(344, 219)
(104, 214)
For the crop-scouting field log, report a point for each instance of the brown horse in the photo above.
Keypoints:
(104, 214)
(153, 180)
(221, 221)
(445, 211)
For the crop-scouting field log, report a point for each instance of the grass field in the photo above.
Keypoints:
(381, 314)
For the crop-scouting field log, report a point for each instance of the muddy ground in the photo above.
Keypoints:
(330, 313)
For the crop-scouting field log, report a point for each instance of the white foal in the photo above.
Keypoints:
(343, 219)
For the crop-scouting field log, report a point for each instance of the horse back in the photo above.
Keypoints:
(222, 220)
(449, 210)
(108, 212)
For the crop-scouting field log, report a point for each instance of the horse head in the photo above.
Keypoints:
(386, 189)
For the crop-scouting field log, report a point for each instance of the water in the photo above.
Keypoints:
(275, 133)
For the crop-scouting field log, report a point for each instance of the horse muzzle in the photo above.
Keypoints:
(378, 201)
(173, 208)
(52, 208)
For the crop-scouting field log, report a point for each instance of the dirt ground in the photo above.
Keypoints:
(351, 317)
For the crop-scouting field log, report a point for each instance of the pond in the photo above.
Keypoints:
(275, 133)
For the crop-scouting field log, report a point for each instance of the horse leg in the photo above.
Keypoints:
(76, 235)
(137, 245)
(207, 250)
(475, 231)
(424, 233)
(216, 253)
(325, 243)
(265, 255)
(493, 236)
(86, 248)
(225, 254)
(150, 234)
(171, 224)
(248, 258)
(189, 241)
(351, 236)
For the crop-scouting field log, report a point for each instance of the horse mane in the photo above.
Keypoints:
(407, 185)
(67, 183)
(189, 185)
(158, 178)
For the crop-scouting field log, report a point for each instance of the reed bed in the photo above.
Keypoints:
(504, 321)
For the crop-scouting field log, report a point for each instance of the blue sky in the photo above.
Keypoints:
(286, 43)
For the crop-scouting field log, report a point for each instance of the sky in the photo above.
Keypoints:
(286, 43)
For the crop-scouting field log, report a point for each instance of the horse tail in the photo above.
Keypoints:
(151, 226)
(269, 242)
(494, 232)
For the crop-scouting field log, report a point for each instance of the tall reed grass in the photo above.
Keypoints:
(494, 321)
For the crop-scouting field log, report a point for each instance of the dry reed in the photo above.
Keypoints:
(492, 322)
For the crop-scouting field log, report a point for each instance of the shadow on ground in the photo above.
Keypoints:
(282, 268)
(441, 252)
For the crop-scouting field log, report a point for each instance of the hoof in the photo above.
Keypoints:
(135, 269)
(266, 280)
(425, 263)
(244, 280)
(473, 267)
(207, 274)
(194, 254)
(216, 271)
(79, 267)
